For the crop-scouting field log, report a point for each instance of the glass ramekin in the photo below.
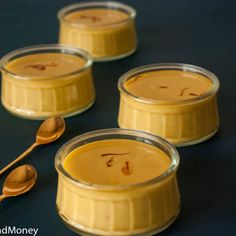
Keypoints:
(39, 97)
(138, 209)
(182, 122)
(104, 42)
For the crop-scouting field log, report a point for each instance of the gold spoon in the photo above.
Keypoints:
(19, 181)
(49, 131)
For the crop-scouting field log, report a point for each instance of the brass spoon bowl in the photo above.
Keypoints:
(19, 181)
(49, 131)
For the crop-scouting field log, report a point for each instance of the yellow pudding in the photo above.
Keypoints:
(45, 64)
(116, 162)
(168, 85)
(105, 29)
(97, 17)
(117, 182)
(44, 81)
(174, 101)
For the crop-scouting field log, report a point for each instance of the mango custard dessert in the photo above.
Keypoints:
(175, 101)
(44, 81)
(105, 29)
(117, 182)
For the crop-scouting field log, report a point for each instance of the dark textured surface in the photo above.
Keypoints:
(188, 31)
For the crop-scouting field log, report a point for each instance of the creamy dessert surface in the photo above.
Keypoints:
(168, 85)
(96, 16)
(116, 162)
(45, 64)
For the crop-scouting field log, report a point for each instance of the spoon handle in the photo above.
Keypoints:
(2, 197)
(19, 157)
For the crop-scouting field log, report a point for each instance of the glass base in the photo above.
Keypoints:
(81, 230)
(113, 58)
(187, 143)
(31, 117)
(192, 142)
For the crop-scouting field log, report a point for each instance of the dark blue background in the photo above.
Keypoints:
(199, 32)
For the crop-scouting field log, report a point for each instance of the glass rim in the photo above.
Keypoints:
(34, 49)
(161, 143)
(108, 5)
(169, 66)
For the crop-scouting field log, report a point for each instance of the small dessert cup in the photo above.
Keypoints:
(181, 121)
(143, 208)
(47, 80)
(105, 29)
